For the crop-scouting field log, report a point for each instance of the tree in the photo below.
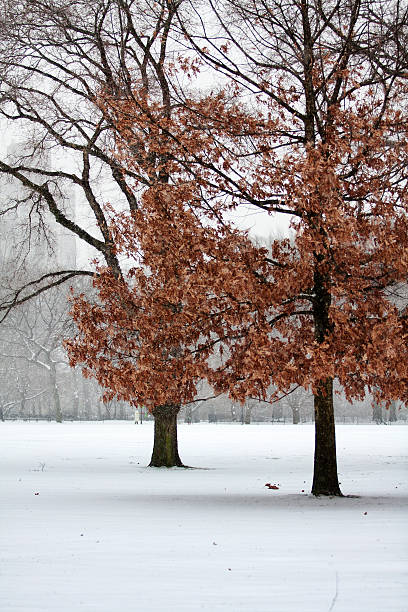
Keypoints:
(330, 152)
(141, 339)
(55, 59)
(326, 146)
(378, 413)
(393, 412)
(32, 337)
(311, 126)
(296, 401)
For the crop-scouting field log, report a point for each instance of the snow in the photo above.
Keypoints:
(86, 526)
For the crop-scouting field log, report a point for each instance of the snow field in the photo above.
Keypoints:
(86, 526)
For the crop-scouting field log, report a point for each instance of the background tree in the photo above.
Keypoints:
(295, 402)
(33, 335)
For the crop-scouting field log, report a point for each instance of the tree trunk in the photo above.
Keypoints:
(277, 412)
(295, 415)
(325, 480)
(393, 412)
(75, 398)
(377, 413)
(188, 417)
(22, 405)
(57, 404)
(165, 448)
(86, 399)
(55, 393)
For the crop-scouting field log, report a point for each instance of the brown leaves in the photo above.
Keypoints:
(197, 288)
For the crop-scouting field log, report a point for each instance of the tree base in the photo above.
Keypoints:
(158, 464)
(327, 493)
(325, 478)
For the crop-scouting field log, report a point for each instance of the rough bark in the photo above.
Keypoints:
(165, 448)
(325, 479)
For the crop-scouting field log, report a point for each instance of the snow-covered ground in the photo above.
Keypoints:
(86, 526)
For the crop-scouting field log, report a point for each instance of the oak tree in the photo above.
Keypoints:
(322, 140)
(325, 145)
(55, 57)
(312, 309)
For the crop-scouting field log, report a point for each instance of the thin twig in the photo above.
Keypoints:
(203, 399)
(275, 400)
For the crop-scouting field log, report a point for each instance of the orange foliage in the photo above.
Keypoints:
(200, 300)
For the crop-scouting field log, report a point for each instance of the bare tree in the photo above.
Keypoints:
(55, 61)
(32, 335)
